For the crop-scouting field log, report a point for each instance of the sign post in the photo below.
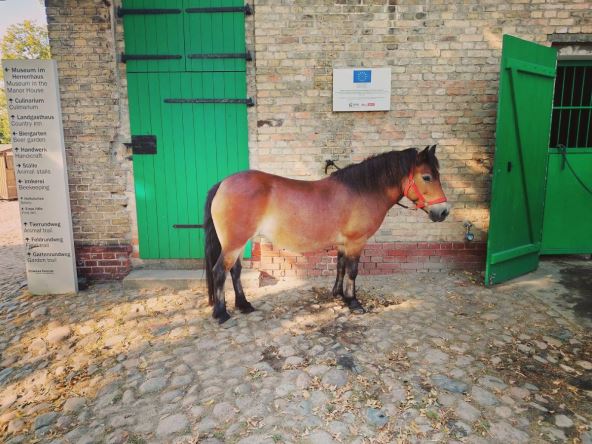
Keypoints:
(363, 89)
(42, 182)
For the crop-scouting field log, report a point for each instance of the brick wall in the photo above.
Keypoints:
(377, 258)
(81, 39)
(444, 58)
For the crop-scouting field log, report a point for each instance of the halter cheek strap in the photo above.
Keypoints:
(420, 202)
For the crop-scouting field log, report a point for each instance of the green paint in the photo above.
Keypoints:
(522, 137)
(197, 144)
(568, 206)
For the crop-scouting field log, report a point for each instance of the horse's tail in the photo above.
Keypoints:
(213, 247)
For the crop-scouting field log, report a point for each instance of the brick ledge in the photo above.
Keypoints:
(377, 258)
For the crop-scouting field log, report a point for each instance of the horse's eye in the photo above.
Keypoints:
(427, 178)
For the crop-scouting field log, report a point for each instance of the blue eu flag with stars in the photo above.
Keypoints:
(362, 76)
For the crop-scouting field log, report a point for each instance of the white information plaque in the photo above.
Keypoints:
(362, 89)
(42, 183)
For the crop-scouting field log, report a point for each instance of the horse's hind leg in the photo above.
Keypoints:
(349, 295)
(240, 301)
(338, 287)
(224, 263)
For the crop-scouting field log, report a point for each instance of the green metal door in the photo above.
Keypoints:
(527, 74)
(568, 204)
(188, 118)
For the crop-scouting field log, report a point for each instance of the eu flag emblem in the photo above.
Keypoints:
(362, 76)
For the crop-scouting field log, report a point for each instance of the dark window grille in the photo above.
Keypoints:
(572, 105)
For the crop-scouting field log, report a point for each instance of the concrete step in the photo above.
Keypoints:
(181, 279)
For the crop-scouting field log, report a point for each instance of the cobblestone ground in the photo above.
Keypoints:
(12, 253)
(438, 358)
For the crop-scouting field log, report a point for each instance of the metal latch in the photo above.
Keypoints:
(145, 144)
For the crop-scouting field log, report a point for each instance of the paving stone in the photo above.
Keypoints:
(58, 334)
(118, 437)
(5, 374)
(504, 411)
(466, 411)
(483, 397)
(224, 411)
(435, 356)
(15, 426)
(38, 346)
(335, 377)
(73, 405)
(556, 435)
(338, 428)
(181, 381)
(39, 312)
(452, 385)
(153, 385)
(563, 421)
(493, 383)
(460, 429)
(319, 437)
(171, 425)
(376, 417)
(44, 420)
(504, 432)
(65, 422)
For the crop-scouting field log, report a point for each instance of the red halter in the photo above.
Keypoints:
(421, 202)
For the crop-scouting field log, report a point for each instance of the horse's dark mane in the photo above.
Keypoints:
(382, 170)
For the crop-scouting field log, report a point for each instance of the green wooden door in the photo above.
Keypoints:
(568, 204)
(527, 75)
(184, 93)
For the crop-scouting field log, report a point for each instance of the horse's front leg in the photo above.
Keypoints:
(338, 287)
(349, 295)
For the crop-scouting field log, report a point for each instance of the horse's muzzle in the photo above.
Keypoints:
(439, 212)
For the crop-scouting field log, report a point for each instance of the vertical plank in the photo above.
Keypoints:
(200, 188)
(184, 125)
(230, 123)
(190, 169)
(169, 140)
(158, 161)
(135, 110)
(151, 121)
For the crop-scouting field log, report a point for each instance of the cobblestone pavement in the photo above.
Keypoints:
(439, 358)
(12, 253)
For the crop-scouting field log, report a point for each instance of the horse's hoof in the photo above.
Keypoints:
(356, 308)
(223, 317)
(246, 308)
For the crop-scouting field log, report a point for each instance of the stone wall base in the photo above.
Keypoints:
(103, 263)
(113, 262)
(377, 258)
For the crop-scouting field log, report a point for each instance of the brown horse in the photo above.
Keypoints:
(344, 209)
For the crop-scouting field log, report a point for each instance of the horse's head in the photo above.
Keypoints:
(423, 186)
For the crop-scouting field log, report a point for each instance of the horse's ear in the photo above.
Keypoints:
(433, 150)
(422, 156)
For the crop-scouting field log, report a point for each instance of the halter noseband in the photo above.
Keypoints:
(421, 202)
